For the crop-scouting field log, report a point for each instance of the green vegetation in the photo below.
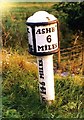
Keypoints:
(70, 15)
(14, 24)
(21, 94)
(20, 76)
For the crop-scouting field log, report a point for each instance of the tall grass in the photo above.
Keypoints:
(21, 94)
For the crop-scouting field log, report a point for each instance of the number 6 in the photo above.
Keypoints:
(49, 38)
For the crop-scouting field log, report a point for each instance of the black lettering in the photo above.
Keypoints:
(49, 47)
(41, 75)
(45, 47)
(43, 98)
(54, 46)
(40, 48)
(43, 89)
(41, 69)
(43, 31)
(48, 30)
(49, 38)
(40, 62)
(42, 83)
(38, 31)
(28, 30)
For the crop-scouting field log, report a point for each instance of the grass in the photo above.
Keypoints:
(14, 23)
(21, 94)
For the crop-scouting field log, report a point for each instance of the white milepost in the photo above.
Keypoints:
(46, 77)
(42, 30)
